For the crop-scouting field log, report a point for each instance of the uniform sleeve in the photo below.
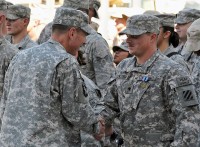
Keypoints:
(185, 108)
(102, 62)
(45, 34)
(75, 103)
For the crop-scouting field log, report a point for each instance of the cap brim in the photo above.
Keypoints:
(97, 14)
(12, 16)
(180, 21)
(119, 47)
(132, 32)
(192, 45)
(87, 29)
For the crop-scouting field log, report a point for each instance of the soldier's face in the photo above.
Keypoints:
(119, 55)
(16, 26)
(181, 29)
(77, 40)
(138, 44)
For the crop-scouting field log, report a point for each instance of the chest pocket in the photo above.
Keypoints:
(133, 92)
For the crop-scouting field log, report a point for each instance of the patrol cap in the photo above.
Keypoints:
(18, 11)
(140, 24)
(71, 17)
(187, 15)
(166, 19)
(76, 4)
(193, 36)
(3, 5)
(96, 5)
(123, 46)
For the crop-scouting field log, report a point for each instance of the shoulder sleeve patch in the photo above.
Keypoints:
(187, 95)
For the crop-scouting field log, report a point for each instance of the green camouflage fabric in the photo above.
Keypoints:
(45, 100)
(176, 57)
(96, 5)
(140, 24)
(123, 46)
(18, 11)
(166, 20)
(98, 60)
(76, 4)
(3, 5)
(25, 43)
(45, 33)
(72, 17)
(155, 110)
(7, 51)
(187, 15)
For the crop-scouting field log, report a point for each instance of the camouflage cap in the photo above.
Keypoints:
(3, 5)
(18, 11)
(76, 4)
(166, 19)
(140, 24)
(123, 46)
(187, 15)
(193, 36)
(96, 5)
(71, 17)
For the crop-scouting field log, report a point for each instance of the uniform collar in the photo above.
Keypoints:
(146, 66)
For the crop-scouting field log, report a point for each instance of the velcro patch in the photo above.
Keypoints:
(182, 81)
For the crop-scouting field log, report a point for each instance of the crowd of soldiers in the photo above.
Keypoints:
(67, 90)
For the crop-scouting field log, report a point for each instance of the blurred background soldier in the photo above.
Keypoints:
(168, 39)
(121, 52)
(45, 102)
(154, 95)
(7, 51)
(93, 12)
(183, 20)
(193, 45)
(18, 17)
(82, 5)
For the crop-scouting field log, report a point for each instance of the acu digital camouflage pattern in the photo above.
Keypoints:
(140, 24)
(71, 17)
(3, 5)
(187, 15)
(176, 57)
(166, 19)
(25, 43)
(154, 110)
(45, 102)
(98, 60)
(7, 51)
(76, 4)
(95, 4)
(18, 11)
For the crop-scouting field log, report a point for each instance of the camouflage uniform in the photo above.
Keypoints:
(7, 51)
(155, 109)
(193, 45)
(16, 12)
(183, 17)
(76, 4)
(47, 104)
(25, 43)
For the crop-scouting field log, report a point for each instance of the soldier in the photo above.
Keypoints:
(168, 39)
(121, 52)
(155, 96)
(7, 51)
(45, 100)
(93, 12)
(183, 20)
(18, 17)
(82, 5)
(193, 45)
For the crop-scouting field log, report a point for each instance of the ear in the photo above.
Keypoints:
(166, 34)
(2, 19)
(72, 33)
(153, 37)
(26, 21)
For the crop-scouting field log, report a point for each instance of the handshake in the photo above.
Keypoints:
(101, 131)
